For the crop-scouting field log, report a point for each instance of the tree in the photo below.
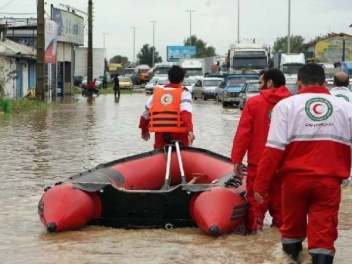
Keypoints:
(120, 59)
(145, 56)
(296, 44)
(202, 49)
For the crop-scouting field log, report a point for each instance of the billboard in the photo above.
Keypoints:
(174, 53)
(50, 41)
(71, 26)
(81, 61)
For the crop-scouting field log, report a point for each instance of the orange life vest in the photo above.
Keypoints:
(165, 114)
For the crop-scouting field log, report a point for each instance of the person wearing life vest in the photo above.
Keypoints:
(250, 138)
(309, 147)
(168, 112)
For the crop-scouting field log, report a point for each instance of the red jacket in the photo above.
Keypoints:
(254, 125)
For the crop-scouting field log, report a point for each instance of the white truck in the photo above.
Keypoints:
(195, 68)
(247, 56)
(289, 63)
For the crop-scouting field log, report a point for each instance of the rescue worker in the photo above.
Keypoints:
(250, 137)
(308, 133)
(341, 90)
(341, 83)
(168, 112)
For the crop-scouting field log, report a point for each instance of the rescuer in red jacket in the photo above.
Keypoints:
(168, 112)
(309, 147)
(250, 138)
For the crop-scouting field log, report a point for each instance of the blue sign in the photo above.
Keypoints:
(174, 53)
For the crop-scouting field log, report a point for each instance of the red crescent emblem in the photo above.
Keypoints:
(316, 110)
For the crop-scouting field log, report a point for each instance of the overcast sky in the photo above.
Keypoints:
(214, 21)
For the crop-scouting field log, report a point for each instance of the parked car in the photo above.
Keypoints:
(229, 90)
(149, 87)
(188, 84)
(205, 88)
(125, 82)
(162, 81)
(249, 89)
(77, 80)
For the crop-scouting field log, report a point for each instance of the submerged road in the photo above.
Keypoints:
(42, 148)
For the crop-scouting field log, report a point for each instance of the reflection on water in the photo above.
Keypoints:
(39, 149)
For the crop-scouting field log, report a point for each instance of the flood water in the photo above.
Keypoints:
(42, 148)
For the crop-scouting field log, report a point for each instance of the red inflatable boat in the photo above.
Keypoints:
(171, 187)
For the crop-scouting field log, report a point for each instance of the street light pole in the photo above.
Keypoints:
(289, 28)
(190, 26)
(153, 60)
(238, 21)
(134, 44)
(104, 51)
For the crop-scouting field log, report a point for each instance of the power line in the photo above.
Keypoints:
(6, 4)
(4, 13)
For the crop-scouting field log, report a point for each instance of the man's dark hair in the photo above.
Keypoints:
(176, 74)
(277, 77)
(261, 73)
(311, 74)
(338, 82)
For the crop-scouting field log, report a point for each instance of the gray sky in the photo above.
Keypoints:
(214, 21)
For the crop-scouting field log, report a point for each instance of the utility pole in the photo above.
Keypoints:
(289, 28)
(90, 42)
(40, 89)
(134, 45)
(190, 26)
(238, 21)
(104, 52)
(153, 43)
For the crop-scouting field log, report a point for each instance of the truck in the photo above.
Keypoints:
(160, 69)
(289, 63)
(140, 75)
(346, 66)
(247, 57)
(215, 65)
(115, 69)
(195, 68)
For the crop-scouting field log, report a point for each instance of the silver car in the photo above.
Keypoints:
(249, 89)
(205, 88)
(149, 87)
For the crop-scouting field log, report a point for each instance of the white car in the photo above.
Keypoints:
(162, 81)
(149, 87)
(188, 84)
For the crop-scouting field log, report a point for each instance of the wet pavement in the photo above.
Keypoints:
(39, 149)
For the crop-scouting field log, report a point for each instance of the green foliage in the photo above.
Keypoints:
(108, 90)
(120, 59)
(24, 105)
(145, 56)
(296, 44)
(202, 50)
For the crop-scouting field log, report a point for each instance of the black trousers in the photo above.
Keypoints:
(117, 91)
